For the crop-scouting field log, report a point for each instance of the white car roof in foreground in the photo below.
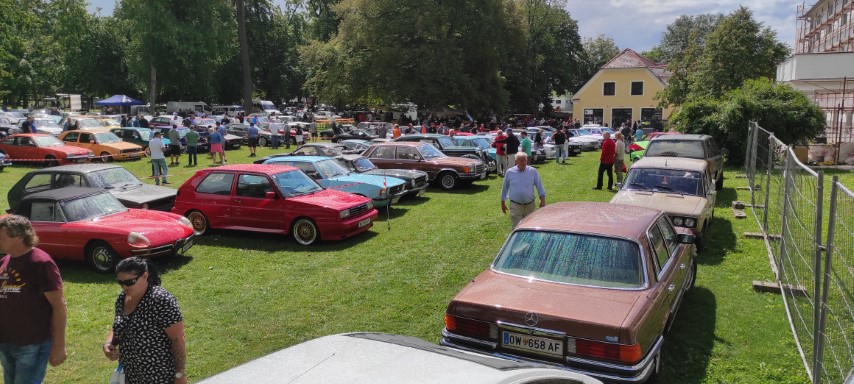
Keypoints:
(384, 358)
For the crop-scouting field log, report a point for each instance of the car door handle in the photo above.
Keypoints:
(398, 163)
(682, 266)
(671, 288)
(238, 201)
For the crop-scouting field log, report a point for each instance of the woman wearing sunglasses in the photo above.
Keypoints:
(148, 331)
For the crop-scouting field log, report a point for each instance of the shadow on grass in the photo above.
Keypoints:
(464, 188)
(393, 212)
(80, 272)
(725, 198)
(721, 240)
(264, 242)
(688, 346)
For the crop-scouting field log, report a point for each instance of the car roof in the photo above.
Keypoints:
(261, 168)
(30, 135)
(385, 358)
(681, 136)
(607, 219)
(682, 163)
(304, 159)
(80, 168)
(63, 193)
(323, 144)
(399, 143)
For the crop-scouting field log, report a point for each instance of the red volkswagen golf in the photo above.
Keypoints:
(273, 199)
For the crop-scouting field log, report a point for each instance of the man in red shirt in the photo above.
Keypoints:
(498, 144)
(32, 306)
(606, 162)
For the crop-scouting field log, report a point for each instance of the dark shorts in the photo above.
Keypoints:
(253, 141)
(175, 150)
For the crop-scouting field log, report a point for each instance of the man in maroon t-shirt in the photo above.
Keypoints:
(606, 161)
(32, 306)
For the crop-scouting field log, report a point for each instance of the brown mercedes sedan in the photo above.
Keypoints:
(448, 171)
(593, 295)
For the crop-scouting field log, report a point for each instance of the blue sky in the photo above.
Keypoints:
(639, 24)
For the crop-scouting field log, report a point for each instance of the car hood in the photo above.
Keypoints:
(157, 226)
(143, 193)
(120, 145)
(69, 149)
(370, 179)
(579, 311)
(398, 173)
(332, 199)
(672, 203)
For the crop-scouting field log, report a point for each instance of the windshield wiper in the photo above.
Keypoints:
(663, 187)
(669, 154)
(639, 185)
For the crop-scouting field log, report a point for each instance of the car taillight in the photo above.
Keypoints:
(628, 354)
(472, 328)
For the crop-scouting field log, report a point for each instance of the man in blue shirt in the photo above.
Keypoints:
(518, 187)
(253, 139)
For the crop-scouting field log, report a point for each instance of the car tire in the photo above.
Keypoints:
(304, 231)
(148, 151)
(693, 275)
(719, 185)
(106, 157)
(101, 257)
(199, 222)
(51, 160)
(448, 180)
(262, 141)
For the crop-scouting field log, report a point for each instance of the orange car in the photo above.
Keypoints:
(42, 148)
(105, 145)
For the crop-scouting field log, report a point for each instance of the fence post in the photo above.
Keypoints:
(770, 166)
(784, 223)
(751, 162)
(817, 337)
(828, 258)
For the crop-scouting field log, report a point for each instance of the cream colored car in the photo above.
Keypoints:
(682, 187)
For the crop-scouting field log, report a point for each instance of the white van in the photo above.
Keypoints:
(197, 107)
(229, 110)
(265, 106)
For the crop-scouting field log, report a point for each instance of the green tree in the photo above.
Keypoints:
(598, 51)
(18, 26)
(322, 20)
(786, 112)
(274, 36)
(683, 32)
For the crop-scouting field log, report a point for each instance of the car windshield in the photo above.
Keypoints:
(445, 141)
(91, 207)
(109, 178)
(430, 152)
(89, 123)
(295, 183)
(45, 123)
(664, 180)
(572, 259)
(110, 123)
(583, 132)
(145, 134)
(331, 168)
(47, 141)
(363, 165)
(107, 137)
(676, 148)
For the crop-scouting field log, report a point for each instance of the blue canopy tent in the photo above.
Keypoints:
(118, 101)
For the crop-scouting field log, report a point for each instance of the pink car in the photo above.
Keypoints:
(273, 199)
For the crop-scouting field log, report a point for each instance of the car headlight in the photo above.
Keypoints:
(91, 153)
(466, 170)
(138, 240)
(678, 221)
(412, 182)
(690, 222)
(185, 222)
(370, 205)
(344, 214)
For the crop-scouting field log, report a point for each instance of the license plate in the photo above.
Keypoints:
(187, 246)
(364, 222)
(394, 200)
(530, 343)
(134, 155)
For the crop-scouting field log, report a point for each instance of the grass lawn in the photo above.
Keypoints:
(245, 294)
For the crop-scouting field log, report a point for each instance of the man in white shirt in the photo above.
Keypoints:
(158, 158)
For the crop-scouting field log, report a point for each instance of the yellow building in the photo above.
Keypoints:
(623, 90)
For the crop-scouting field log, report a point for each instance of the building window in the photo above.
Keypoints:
(609, 89)
(637, 88)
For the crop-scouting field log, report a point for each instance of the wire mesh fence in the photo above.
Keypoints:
(788, 203)
(837, 317)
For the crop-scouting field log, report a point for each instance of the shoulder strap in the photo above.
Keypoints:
(4, 262)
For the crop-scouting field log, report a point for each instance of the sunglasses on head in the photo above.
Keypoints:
(128, 282)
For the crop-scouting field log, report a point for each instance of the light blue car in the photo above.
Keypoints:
(329, 173)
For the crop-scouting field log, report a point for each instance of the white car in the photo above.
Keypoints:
(379, 358)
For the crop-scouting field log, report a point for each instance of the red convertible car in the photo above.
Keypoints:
(90, 224)
(42, 147)
(273, 199)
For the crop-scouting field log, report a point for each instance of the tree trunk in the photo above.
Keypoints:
(151, 90)
(244, 56)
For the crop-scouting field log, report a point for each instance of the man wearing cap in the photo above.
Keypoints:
(518, 187)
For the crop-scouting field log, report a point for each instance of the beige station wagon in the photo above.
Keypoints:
(589, 287)
(682, 187)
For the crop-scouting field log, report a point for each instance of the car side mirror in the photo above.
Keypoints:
(270, 195)
(685, 238)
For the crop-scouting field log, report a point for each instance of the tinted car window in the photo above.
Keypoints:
(669, 234)
(408, 153)
(656, 239)
(665, 180)
(71, 137)
(85, 137)
(386, 152)
(43, 211)
(39, 182)
(216, 183)
(253, 186)
(676, 148)
(68, 180)
(572, 258)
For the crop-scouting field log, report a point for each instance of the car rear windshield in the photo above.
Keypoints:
(47, 141)
(572, 258)
(664, 180)
(676, 148)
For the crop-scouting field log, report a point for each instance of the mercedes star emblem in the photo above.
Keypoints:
(531, 319)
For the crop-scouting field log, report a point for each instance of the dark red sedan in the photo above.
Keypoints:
(273, 199)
